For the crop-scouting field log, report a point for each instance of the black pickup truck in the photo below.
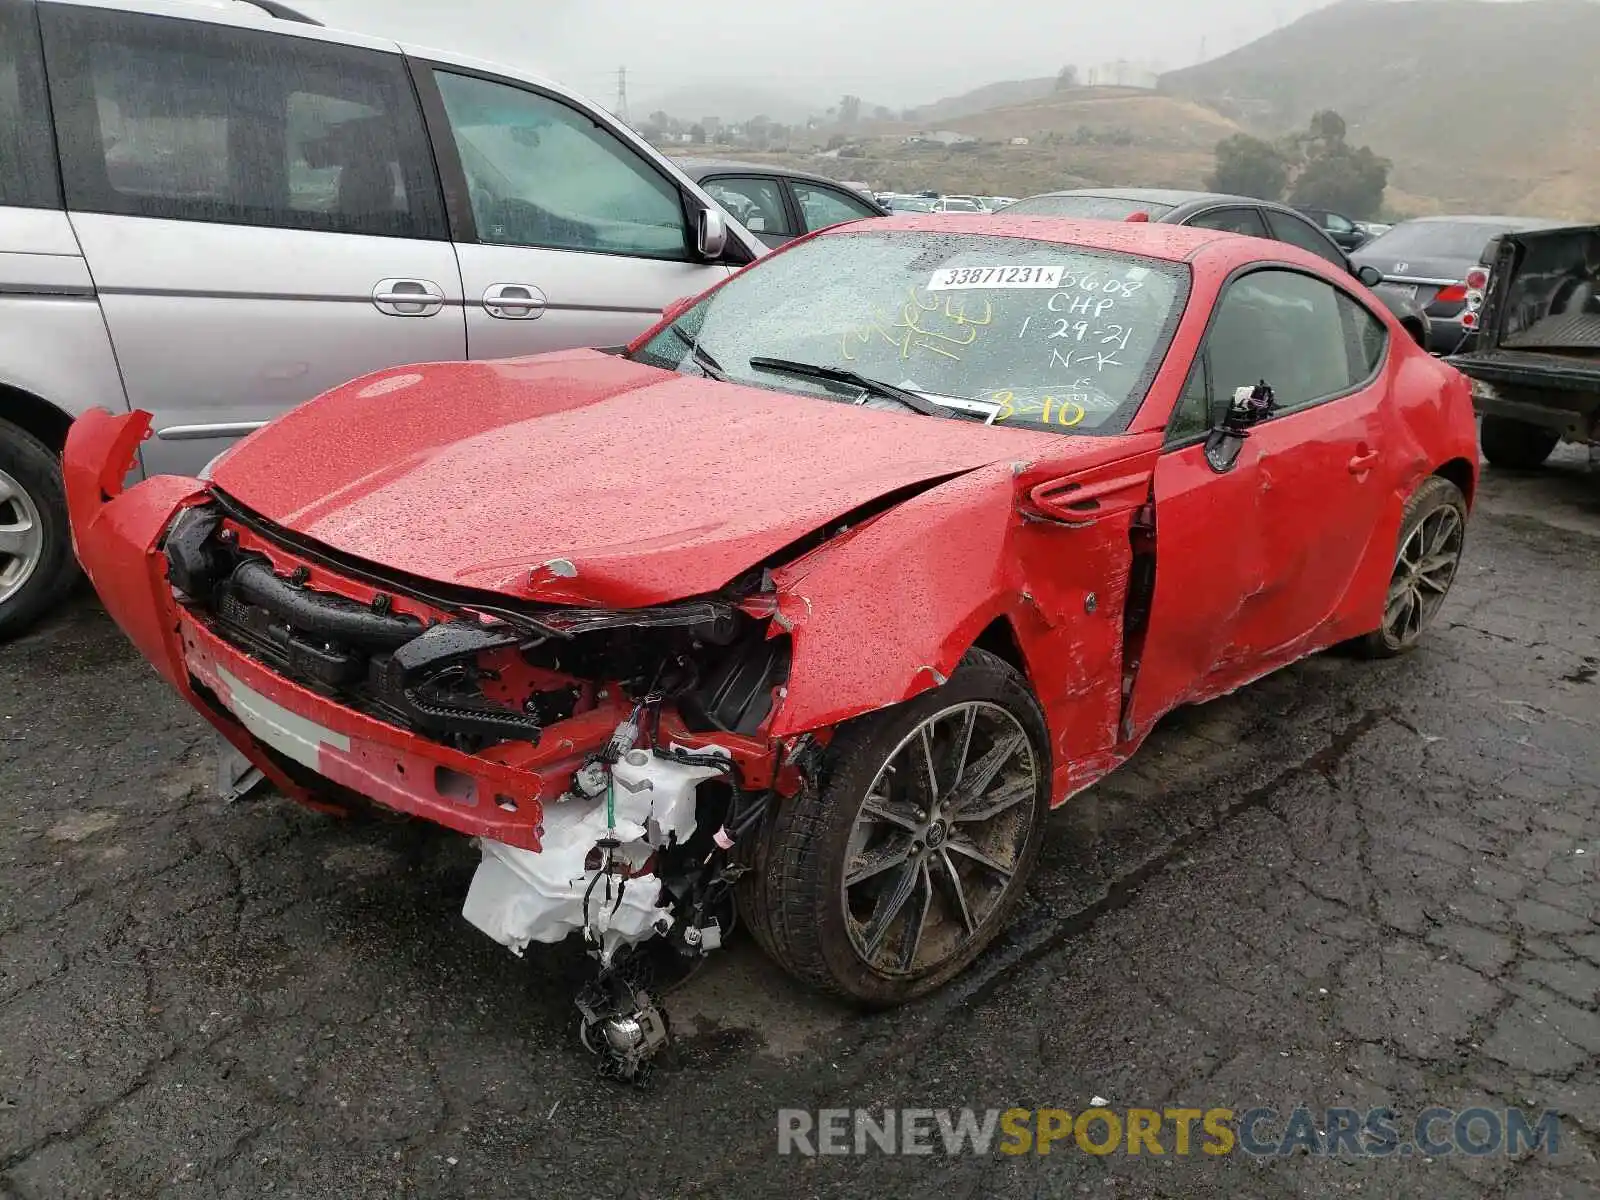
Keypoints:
(1535, 359)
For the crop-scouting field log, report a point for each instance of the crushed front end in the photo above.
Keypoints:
(609, 762)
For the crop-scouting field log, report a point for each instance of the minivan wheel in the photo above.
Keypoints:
(893, 875)
(1516, 444)
(36, 565)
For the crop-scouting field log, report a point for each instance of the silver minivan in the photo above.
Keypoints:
(215, 211)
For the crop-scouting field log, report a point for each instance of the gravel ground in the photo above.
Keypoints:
(1349, 884)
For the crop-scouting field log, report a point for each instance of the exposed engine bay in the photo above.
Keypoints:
(639, 844)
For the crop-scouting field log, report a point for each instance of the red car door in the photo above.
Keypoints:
(1256, 548)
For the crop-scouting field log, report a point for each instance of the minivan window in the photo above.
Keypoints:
(542, 174)
(27, 163)
(163, 117)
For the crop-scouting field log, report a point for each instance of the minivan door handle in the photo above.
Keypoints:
(514, 301)
(408, 297)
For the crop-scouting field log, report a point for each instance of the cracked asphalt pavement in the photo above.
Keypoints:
(1348, 884)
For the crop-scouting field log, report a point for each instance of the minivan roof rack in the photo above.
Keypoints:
(283, 11)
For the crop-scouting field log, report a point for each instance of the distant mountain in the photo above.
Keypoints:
(1480, 106)
(992, 95)
(730, 102)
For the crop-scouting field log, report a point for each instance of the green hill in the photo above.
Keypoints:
(1482, 107)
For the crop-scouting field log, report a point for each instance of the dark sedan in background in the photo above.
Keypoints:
(1216, 210)
(1346, 234)
(1426, 260)
(777, 204)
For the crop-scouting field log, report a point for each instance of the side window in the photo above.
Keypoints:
(1289, 228)
(542, 174)
(1366, 337)
(164, 117)
(756, 203)
(27, 158)
(1231, 220)
(1192, 414)
(1337, 223)
(1296, 332)
(823, 206)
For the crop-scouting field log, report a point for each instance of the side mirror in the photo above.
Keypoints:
(1249, 406)
(1369, 275)
(676, 309)
(1223, 444)
(711, 234)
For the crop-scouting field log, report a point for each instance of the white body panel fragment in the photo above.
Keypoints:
(521, 896)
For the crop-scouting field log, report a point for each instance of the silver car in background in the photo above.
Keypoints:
(216, 211)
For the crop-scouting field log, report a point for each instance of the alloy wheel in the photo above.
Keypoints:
(1423, 572)
(21, 536)
(939, 838)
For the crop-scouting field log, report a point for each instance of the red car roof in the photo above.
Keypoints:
(1175, 243)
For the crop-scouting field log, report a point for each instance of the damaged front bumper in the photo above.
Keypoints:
(577, 745)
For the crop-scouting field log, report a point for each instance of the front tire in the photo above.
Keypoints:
(1432, 531)
(891, 877)
(1516, 445)
(36, 565)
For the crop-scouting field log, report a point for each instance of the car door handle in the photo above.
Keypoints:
(514, 301)
(408, 297)
(1362, 462)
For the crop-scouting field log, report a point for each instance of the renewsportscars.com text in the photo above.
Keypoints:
(1261, 1132)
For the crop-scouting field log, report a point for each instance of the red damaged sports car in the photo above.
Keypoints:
(821, 593)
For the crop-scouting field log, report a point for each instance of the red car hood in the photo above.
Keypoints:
(651, 485)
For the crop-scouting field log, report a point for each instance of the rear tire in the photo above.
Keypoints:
(1516, 444)
(1432, 531)
(36, 563)
(954, 848)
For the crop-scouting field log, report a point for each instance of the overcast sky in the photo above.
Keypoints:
(896, 52)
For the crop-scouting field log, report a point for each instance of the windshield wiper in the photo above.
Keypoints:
(876, 387)
(701, 355)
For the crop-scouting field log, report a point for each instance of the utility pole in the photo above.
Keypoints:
(622, 95)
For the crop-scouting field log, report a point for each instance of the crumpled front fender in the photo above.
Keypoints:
(116, 534)
(887, 611)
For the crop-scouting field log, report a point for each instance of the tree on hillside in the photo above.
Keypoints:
(850, 110)
(1316, 166)
(1068, 78)
(1346, 180)
(1333, 174)
(1248, 166)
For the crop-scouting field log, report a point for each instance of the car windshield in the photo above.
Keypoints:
(1109, 208)
(1025, 332)
(1434, 239)
(962, 206)
(911, 204)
